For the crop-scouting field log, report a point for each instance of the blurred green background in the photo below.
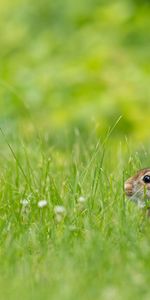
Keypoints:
(68, 64)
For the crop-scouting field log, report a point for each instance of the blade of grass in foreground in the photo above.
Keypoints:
(16, 159)
(103, 148)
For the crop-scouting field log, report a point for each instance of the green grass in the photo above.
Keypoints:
(100, 248)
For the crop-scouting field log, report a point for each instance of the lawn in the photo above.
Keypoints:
(74, 119)
(85, 240)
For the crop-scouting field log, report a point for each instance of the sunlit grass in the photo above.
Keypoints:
(66, 227)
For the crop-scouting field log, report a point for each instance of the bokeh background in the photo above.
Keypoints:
(75, 64)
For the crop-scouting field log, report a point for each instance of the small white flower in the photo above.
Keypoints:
(59, 210)
(42, 203)
(24, 202)
(60, 213)
(81, 199)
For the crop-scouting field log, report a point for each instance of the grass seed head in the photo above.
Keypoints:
(24, 202)
(42, 203)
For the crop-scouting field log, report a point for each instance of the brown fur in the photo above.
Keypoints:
(136, 189)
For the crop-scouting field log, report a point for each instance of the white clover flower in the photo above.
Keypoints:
(59, 210)
(60, 213)
(42, 203)
(81, 199)
(24, 202)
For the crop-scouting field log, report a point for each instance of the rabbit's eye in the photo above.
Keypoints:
(146, 179)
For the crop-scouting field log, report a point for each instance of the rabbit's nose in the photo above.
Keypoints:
(128, 189)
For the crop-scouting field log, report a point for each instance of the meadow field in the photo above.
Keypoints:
(74, 125)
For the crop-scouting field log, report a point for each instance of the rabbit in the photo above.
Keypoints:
(137, 188)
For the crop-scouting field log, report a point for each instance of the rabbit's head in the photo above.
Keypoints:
(137, 187)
